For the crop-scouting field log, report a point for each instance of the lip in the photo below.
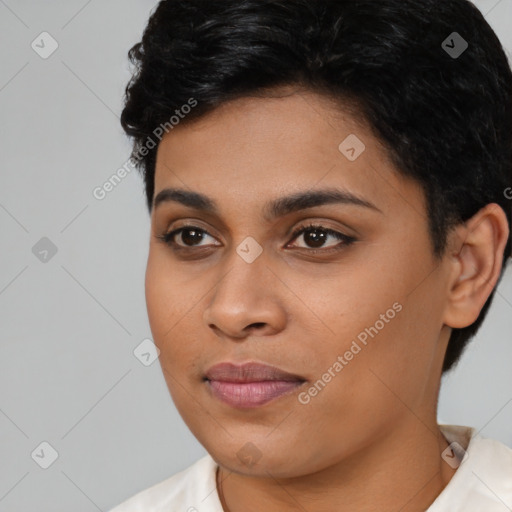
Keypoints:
(250, 384)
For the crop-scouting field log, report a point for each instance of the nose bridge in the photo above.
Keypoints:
(242, 296)
(246, 272)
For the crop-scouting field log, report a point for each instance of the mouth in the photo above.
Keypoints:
(251, 384)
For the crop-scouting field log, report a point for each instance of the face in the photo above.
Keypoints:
(353, 305)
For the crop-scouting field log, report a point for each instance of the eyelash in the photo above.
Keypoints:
(346, 240)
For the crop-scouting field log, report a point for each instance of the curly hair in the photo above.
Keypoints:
(444, 118)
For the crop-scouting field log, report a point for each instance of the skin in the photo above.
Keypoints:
(369, 440)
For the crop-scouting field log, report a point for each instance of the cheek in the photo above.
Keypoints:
(170, 301)
(383, 323)
(396, 357)
(168, 294)
(157, 299)
(164, 303)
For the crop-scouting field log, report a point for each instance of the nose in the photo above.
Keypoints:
(246, 301)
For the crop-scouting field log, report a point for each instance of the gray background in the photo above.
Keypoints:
(69, 326)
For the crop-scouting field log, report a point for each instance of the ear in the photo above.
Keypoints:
(475, 262)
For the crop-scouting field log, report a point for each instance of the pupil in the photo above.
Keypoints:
(316, 237)
(196, 236)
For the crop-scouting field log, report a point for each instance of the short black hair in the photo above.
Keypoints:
(442, 110)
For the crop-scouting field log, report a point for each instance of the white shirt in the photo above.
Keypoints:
(481, 483)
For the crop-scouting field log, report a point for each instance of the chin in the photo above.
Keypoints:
(260, 458)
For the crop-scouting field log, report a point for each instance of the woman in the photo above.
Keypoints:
(327, 188)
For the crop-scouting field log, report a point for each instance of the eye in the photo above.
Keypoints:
(314, 235)
(190, 236)
(317, 235)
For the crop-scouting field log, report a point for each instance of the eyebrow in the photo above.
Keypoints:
(273, 209)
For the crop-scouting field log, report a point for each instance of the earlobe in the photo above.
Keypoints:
(476, 266)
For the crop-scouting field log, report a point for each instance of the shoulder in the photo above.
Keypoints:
(483, 479)
(191, 490)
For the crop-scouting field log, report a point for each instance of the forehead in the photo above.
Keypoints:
(251, 149)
